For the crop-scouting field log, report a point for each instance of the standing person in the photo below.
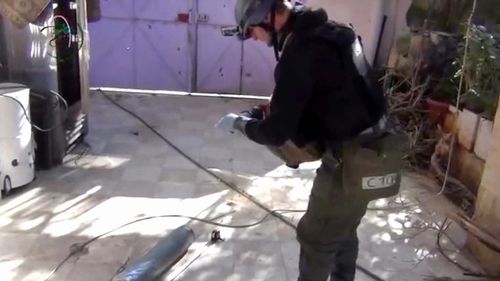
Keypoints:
(323, 94)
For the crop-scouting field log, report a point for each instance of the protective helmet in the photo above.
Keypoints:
(252, 12)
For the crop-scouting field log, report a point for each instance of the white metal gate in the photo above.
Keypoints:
(258, 68)
(140, 44)
(225, 64)
(176, 45)
(218, 58)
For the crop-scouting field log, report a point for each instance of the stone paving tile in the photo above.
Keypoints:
(15, 245)
(130, 174)
(93, 271)
(33, 270)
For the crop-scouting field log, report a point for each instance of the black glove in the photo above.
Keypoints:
(255, 112)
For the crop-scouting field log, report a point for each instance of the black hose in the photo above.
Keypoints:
(379, 42)
(201, 167)
(226, 183)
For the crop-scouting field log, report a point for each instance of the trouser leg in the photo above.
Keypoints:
(327, 232)
(345, 260)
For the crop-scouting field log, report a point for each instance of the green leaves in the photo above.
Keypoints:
(481, 70)
(438, 15)
(450, 15)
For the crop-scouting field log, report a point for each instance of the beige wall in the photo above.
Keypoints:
(396, 24)
(487, 214)
(488, 204)
(366, 16)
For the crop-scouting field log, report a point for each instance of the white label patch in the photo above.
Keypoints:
(380, 181)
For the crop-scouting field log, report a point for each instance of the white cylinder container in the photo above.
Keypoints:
(16, 137)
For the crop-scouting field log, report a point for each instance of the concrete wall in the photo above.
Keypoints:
(366, 16)
(396, 25)
(487, 214)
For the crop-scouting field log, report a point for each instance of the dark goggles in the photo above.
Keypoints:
(234, 31)
(243, 34)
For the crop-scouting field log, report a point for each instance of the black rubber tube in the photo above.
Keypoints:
(165, 254)
(379, 41)
(213, 174)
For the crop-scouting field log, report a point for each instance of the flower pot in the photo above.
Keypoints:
(451, 120)
(468, 123)
(483, 139)
(437, 110)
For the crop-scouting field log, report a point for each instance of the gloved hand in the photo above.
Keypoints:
(233, 123)
(258, 112)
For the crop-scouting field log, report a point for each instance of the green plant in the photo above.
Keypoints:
(448, 15)
(440, 59)
(437, 15)
(481, 70)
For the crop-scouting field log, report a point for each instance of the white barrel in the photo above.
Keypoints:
(16, 137)
(13, 121)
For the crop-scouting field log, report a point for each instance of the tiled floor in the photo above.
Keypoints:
(129, 173)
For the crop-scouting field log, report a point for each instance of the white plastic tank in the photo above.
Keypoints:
(16, 138)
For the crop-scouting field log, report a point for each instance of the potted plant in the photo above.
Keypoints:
(435, 27)
(438, 15)
(443, 22)
(481, 71)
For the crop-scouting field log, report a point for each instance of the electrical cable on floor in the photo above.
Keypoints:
(214, 239)
(442, 229)
(79, 248)
(466, 271)
(79, 154)
(207, 245)
(197, 164)
(225, 182)
(395, 208)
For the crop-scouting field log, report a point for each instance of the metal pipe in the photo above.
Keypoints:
(161, 258)
(178, 93)
(379, 42)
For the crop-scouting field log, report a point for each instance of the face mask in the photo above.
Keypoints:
(269, 30)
